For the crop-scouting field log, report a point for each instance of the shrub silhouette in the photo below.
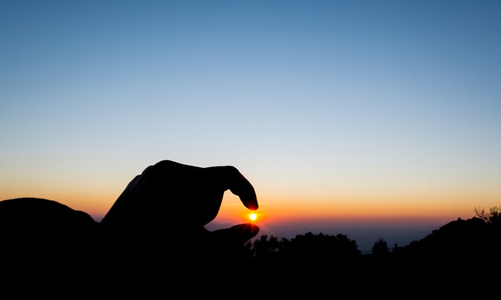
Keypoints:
(380, 248)
(493, 217)
(308, 249)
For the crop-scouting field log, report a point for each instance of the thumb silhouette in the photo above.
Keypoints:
(237, 234)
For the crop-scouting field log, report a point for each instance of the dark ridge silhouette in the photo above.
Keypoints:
(459, 256)
(461, 239)
(458, 241)
(39, 236)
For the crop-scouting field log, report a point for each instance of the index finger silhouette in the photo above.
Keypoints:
(230, 178)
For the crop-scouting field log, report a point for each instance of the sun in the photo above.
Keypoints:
(253, 217)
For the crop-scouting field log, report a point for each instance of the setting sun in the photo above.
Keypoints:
(253, 217)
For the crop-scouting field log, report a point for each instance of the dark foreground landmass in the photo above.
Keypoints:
(48, 247)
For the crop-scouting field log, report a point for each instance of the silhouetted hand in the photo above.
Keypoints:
(169, 198)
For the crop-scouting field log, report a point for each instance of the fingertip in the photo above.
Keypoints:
(250, 201)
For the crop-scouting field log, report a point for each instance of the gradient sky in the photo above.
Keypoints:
(382, 111)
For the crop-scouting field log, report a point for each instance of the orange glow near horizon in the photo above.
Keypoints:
(354, 211)
(274, 209)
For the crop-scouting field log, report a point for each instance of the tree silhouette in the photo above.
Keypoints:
(493, 217)
(380, 248)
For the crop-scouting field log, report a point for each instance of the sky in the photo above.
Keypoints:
(338, 112)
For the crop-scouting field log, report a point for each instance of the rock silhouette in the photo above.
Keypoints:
(43, 241)
(37, 214)
(30, 222)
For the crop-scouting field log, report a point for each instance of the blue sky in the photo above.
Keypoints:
(317, 102)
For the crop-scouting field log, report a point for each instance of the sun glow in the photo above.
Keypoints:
(253, 217)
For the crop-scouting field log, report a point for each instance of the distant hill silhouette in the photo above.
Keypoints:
(458, 238)
(455, 249)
